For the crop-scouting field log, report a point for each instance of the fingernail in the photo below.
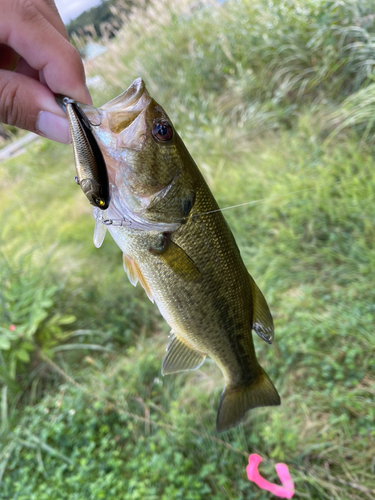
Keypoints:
(53, 127)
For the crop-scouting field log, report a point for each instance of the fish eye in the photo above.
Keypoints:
(162, 131)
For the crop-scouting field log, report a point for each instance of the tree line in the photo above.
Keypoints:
(91, 21)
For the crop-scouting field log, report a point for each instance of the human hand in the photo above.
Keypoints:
(37, 61)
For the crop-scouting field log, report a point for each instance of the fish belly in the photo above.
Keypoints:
(210, 311)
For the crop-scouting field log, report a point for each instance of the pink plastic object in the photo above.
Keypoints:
(284, 491)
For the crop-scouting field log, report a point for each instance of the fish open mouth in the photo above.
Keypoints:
(126, 126)
(129, 97)
(123, 122)
(123, 110)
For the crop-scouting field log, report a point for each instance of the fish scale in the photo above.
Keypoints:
(186, 260)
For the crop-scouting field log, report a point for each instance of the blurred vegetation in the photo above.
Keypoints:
(275, 102)
(94, 21)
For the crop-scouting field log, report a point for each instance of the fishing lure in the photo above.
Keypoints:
(90, 166)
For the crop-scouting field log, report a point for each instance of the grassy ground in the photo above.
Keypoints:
(260, 94)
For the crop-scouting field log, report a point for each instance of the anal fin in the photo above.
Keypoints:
(180, 357)
(262, 318)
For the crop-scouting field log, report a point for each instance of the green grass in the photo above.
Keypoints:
(274, 104)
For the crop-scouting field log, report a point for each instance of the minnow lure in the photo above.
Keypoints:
(91, 169)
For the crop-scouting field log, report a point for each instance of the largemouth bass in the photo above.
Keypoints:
(177, 244)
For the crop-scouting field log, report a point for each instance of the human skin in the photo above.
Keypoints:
(37, 61)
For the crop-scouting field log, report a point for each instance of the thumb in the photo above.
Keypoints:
(26, 103)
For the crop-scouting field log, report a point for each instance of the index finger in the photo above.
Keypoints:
(45, 49)
(49, 10)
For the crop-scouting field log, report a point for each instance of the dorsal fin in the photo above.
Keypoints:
(180, 357)
(262, 318)
(135, 274)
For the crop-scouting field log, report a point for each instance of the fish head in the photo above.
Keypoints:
(144, 157)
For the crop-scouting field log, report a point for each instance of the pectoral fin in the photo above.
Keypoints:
(180, 357)
(177, 259)
(262, 318)
(135, 275)
(99, 232)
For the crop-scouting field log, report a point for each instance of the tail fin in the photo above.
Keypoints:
(236, 401)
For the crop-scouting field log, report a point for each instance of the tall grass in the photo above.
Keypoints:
(357, 111)
(261, 57)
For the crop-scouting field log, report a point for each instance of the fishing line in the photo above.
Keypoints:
(86, 108)
(125, 222)
(253, 202)
(274, 197)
